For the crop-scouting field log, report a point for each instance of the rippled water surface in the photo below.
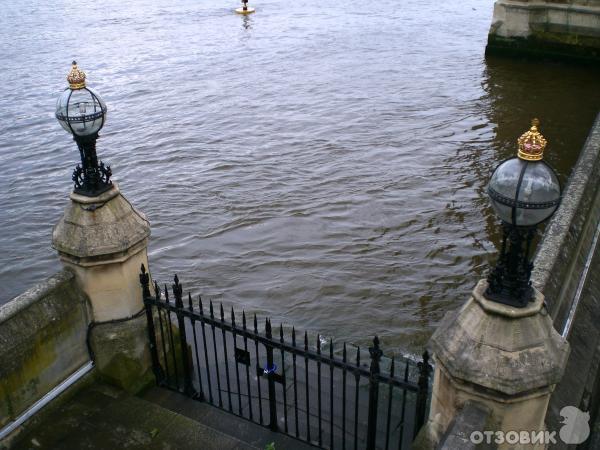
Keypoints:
(322, 165)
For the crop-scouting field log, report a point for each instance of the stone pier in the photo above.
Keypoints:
(561, 29)
(103, 240)
(502, 360)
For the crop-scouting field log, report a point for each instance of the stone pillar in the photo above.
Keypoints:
(506, 359)
(103, 239)
(557, 28)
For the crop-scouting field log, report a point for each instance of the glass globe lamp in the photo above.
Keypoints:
(524, 192)
(82, 112)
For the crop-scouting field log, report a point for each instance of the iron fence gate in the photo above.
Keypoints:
(321, 395)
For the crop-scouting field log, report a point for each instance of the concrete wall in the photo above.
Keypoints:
(42, 341)
(562, 29)
(567, 271)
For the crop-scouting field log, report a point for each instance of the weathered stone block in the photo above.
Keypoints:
(122, 353)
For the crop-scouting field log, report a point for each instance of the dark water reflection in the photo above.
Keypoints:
(568, 107)
(323, 166)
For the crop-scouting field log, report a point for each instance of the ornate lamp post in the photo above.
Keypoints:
(525, 192)
(82, 113)
(500, 358)
(103, 240)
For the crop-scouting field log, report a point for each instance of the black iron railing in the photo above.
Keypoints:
(325, 397)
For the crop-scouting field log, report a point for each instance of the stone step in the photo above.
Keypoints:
(100, 417)
(241, 429)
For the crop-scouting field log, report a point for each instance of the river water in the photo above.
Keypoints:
(320, 162)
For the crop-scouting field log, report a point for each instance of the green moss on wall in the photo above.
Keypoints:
(569, 39)
(135, 374)
(547, 44)
(122, 353)
(41, 344)
(127, 373)
(7, 412)
(174, 355)
(42, 356)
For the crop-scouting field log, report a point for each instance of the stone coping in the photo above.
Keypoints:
(563, 233)
(102, 198)
(106, 227)
(485, 346)
(33, 295)
(566, 7)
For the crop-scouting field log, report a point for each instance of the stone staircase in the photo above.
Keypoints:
(100, 417)
(222, 421)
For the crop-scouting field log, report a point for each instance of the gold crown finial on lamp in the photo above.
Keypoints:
(76, 77)
(532, 143)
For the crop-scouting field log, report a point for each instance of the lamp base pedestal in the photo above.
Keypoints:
(505, 297)
(504, 358)
(103, 240)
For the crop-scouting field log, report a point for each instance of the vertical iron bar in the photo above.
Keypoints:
(306, 386)
(210, 394)
(145, 282)
(357, 383)
(237, 372)
(319, 389)
(247, 365)
(422, 393)
(193, 321)
(188, 389)
(375, 353)
(389, 409)
(345, 359)
(212, 327)
(331, 394)
(295, 383)
(226, 358)
(260, 412)
(162, 333)
(270, 369)
(285, 418)
(403, 409)
(171, 340)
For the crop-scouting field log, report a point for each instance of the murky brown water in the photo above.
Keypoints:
(323, 166)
